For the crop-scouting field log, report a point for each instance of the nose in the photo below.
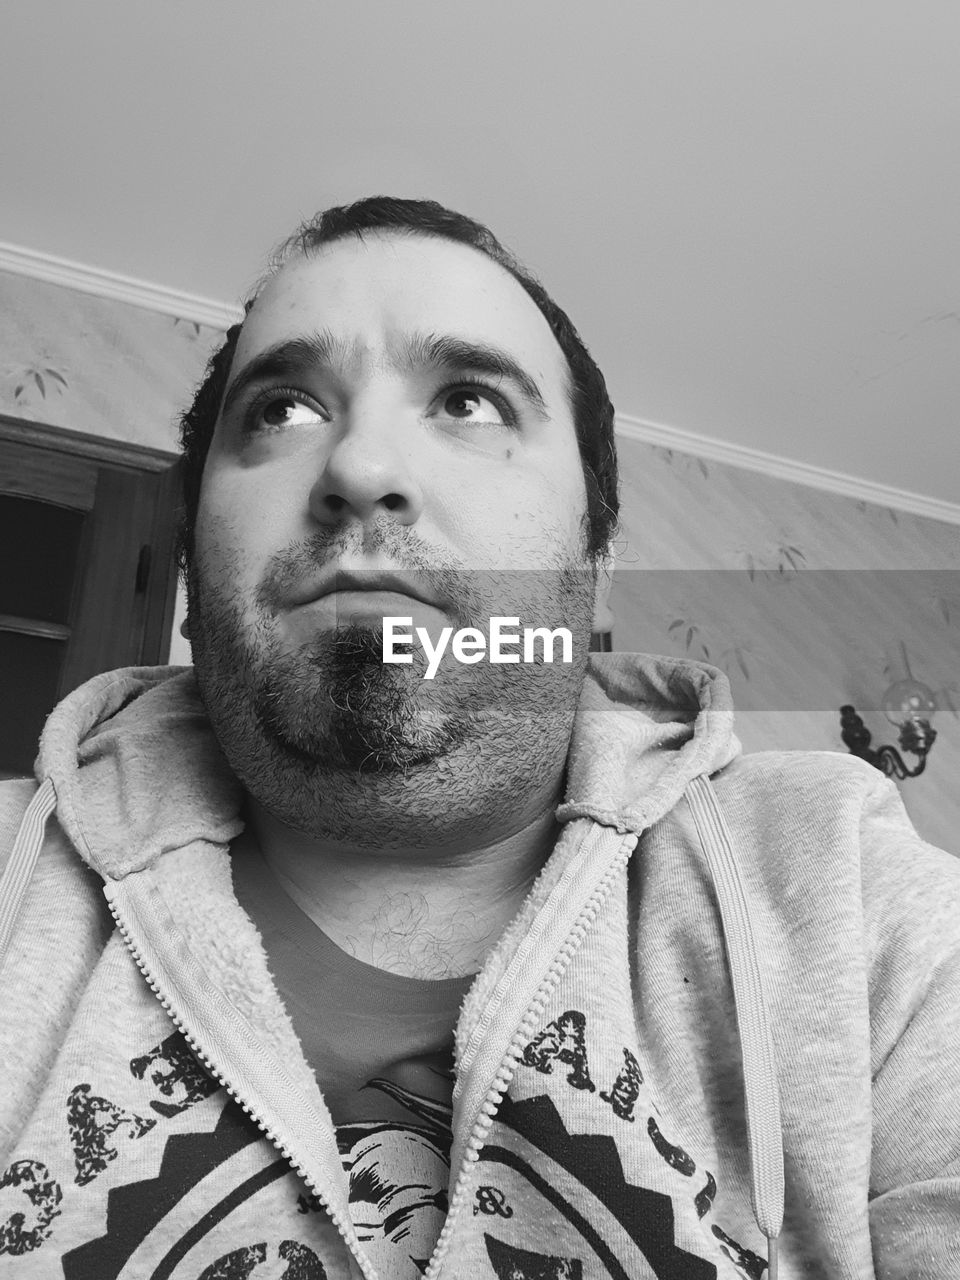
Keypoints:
(369, 472)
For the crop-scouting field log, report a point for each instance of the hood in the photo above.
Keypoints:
(137, 770)
(645, 727)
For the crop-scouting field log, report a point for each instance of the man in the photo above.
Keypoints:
(451, 966)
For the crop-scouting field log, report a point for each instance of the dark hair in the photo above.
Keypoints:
(590, 403)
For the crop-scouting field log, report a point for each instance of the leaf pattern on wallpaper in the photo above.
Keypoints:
(690, 632)
(684, 461)
(736, 655)
(731, 659)
(191, 328)
(948, 607)
(38, 377)
(876, 510)
(782, 561)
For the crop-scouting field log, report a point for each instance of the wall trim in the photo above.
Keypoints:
(118, 288)
(770, 464)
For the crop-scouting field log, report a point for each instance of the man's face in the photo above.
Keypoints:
(396, 405)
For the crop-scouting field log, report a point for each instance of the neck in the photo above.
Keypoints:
(430, 911)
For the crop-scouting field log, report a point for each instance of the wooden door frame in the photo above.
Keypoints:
(113, 456)
(115, 453)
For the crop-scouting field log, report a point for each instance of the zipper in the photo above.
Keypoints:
(521, 1038)
(203, 1057)
(492, 1099)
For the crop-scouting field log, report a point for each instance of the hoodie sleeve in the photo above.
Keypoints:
(912, 930)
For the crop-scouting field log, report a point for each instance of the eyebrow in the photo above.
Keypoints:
(282, 360)
(432, 350)
(415, 352)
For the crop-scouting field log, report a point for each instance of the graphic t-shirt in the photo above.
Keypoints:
(381, 1047)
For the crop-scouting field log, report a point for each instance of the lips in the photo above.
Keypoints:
(342, 580)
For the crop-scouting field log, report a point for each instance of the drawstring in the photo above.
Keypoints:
(23, 859)
(762, 1093)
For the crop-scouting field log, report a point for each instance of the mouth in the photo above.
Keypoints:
(354, 585)
(364, 598)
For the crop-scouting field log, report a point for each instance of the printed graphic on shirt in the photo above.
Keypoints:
(575, 1188)
(34, 1195)
(574, 1194)
(189, 1221)
(549, 1202)
(141, 1212)
(398, 1175)
(511, 1263)
(210, 1186)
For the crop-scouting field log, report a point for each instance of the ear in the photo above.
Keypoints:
(602, 615)
(185, 628)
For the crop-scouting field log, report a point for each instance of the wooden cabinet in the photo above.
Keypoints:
(87, 570)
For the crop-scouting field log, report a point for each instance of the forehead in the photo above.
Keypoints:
(369, 293)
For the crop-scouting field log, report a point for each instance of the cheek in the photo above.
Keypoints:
(256, 505)
(549, 494)
(247, 509)
(527, 519)
(229, 541)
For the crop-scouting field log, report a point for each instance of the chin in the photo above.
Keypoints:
(345, 711)
(361, 744)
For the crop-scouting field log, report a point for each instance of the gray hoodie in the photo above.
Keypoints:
(723, 1028)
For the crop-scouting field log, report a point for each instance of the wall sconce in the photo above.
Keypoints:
(909, 705)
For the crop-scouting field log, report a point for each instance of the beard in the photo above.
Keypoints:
(335, 703)
(294, 720)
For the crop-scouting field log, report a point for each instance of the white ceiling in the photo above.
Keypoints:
(750, 208)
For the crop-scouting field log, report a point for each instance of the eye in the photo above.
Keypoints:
(282, 409)
(470, 404)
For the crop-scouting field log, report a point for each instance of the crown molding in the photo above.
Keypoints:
(118, 288)
(771, 464)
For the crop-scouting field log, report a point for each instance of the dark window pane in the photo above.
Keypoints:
(29, 674)
(39, 558)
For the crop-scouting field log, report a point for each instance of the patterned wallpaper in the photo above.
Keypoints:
(78, 361)
(806, 599)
